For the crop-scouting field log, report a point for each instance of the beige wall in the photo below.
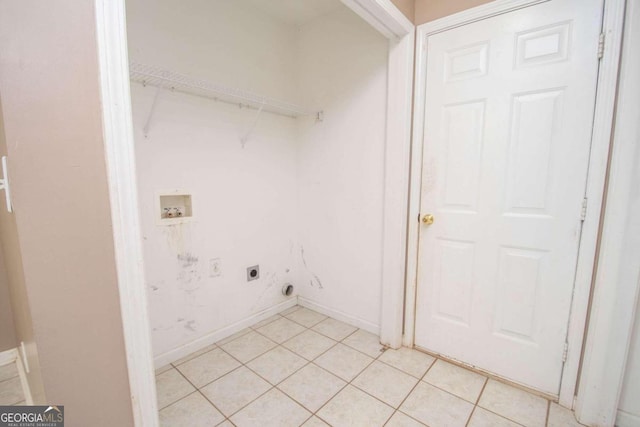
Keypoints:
(428, 10)
(407, 7)
(7, 327)
(52, 116)
(14, 272)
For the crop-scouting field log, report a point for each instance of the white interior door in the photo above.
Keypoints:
(508, 118)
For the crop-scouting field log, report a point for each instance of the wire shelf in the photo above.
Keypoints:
(165, 79)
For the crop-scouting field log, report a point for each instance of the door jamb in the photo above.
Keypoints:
(120, 158)
(603, 120)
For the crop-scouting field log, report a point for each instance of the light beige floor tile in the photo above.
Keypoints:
(334, 329)
(163, 369)
(408, 360)
(343, 361)
(290, 310)
(193, 411)
(277, 364)
(11, 391)
(456, 380)
(315, 422)
(561, 417)
(386, 383)
(281, 330)
(483, 418)
(171, 387)
(401, 420)
(22, 403)
(236, 389)
(225, 423)
(194, 355)
(208, 367)
(312, 386)
(365, 342)
(8, 371)
(248, 346)
(266, 321)
(233, 337)
(436, 407)
(309, 344)
(352, 407)
(514, 404)
(271, 409)
(306, 317)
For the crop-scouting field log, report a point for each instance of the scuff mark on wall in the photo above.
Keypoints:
(155, 286)
(190, 325)
(187, 259)
(189, 275)
(314, 277)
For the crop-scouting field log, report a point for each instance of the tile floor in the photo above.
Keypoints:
(10, 386)
(303, 368)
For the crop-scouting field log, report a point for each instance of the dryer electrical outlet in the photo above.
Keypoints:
(253, 273)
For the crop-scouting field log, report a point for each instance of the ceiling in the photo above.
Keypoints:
(295, 12)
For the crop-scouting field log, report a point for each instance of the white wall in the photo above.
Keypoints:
(295, 178)
(343, 69)
(629, 406)
(244, 199)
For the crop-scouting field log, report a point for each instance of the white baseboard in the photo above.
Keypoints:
(11, 356)
(28, 398)
(625, 419)
(8, 356)
(338, 315)
(202, 342)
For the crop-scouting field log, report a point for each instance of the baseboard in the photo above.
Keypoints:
(28, 398)
(8, 356)
(11, 356)
(625, 419)
(339, 315)
(204, 341)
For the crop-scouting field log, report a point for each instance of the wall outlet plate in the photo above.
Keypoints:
(253, 273)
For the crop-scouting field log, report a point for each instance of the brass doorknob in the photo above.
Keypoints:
(428, 219)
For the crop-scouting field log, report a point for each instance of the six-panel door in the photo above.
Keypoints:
(508, 118)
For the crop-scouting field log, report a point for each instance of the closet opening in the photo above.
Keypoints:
(260, 132)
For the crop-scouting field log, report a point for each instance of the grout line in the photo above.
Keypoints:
(313, 362)
(486, 381)
(197, 391)
(546, 420)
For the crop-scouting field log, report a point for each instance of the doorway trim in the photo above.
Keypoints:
(603, 121)
(120, 159)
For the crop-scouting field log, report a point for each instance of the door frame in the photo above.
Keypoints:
(121, 171)
(602, 126)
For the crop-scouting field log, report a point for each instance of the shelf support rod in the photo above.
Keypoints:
(245, 138)
(152, 110)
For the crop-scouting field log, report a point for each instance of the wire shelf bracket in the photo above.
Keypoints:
(163, 79)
